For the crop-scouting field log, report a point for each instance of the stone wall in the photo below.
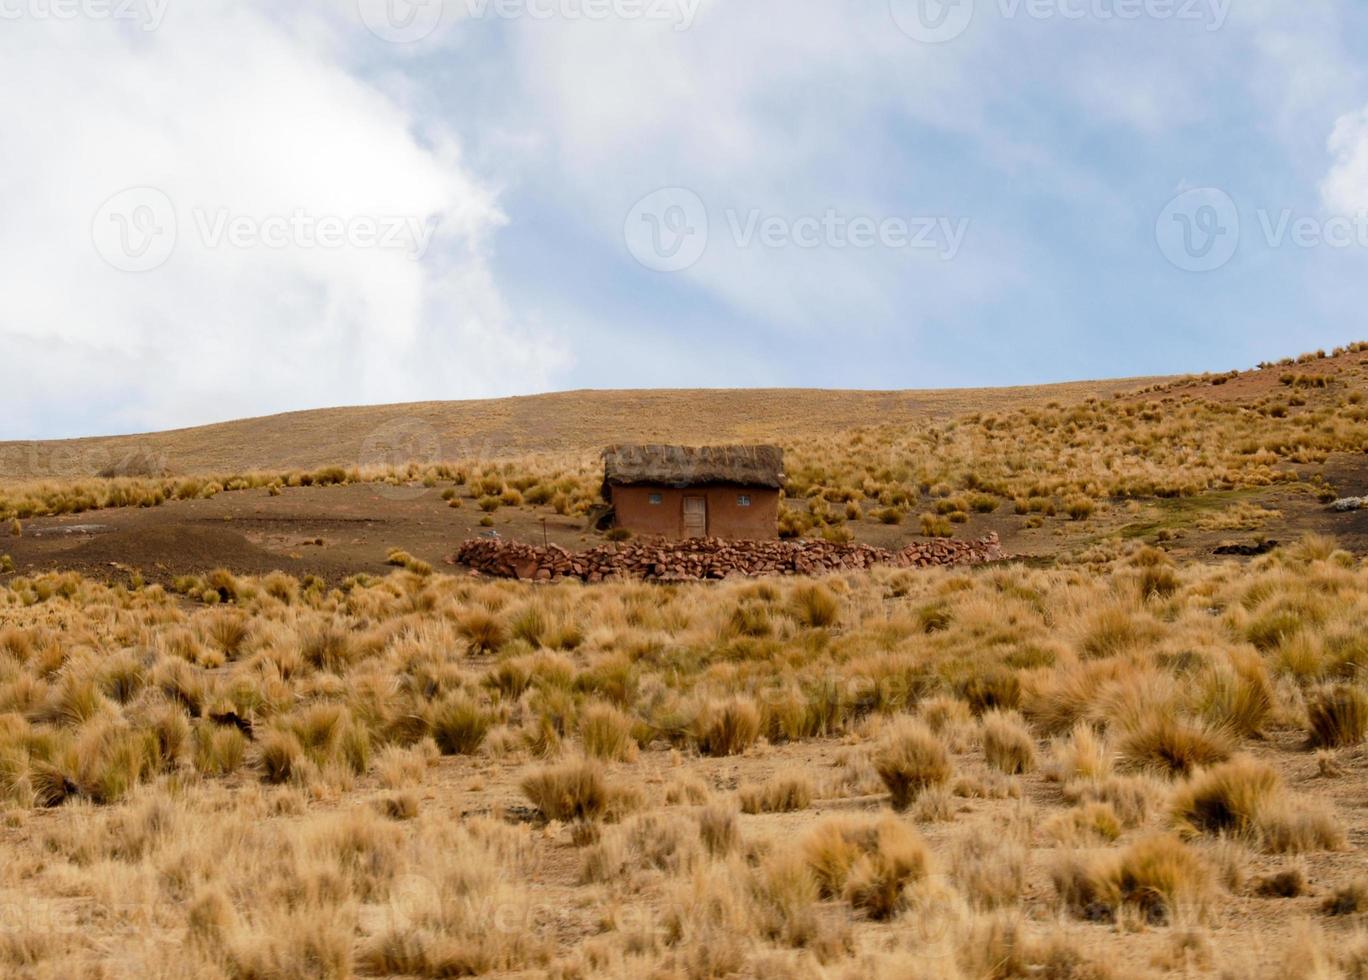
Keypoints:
(709, 558)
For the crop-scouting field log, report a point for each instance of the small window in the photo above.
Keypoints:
(743, 500)
(656, 500)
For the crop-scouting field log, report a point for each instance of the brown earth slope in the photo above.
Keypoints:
(571, 421)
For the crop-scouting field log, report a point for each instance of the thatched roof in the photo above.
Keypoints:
(684, 466)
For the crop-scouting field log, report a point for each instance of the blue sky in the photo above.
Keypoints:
(228, 209)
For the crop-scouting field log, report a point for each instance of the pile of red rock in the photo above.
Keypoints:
(710, 558)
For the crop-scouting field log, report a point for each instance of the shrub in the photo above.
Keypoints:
(910, 760)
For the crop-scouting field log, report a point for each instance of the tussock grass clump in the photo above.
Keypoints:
(1007, 743)
(868, 860)
(1288, 883)
(228, 632)
(483, 631)
(574, 790)
(1238, 697)
(1247, 798)
(1082, 755)
(726, 727)
(784, 902)
(785, 793)
(1085, 826)
(219, 751)
(328, 647)
(1231, 798)
(1337, 716)
(1112, 630)
(991, 688)
(718, 830)
(943, 714)
(814, 606)
(279, 755)
(1174, 746)
(607, 733)
(911, 759)
(1130, 797)
(1348, 899)
(459, 725)
(989, 867)
(1160, 877)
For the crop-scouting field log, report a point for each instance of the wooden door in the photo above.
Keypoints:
(695, 517)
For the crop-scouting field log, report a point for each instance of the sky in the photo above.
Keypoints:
(215, 209)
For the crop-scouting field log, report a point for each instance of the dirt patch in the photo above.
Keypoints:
(173, 547)
(335, 532)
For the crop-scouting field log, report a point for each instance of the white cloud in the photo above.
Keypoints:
(1345, 188)
(233, 111)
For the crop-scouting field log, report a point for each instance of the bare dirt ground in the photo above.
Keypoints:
(334, 532)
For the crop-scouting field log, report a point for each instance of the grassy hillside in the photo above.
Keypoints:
(510, 427)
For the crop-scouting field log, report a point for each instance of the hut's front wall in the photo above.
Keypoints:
(737, 513)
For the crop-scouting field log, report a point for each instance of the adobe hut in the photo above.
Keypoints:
(686, 492)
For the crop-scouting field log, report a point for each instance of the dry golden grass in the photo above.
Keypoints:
(1087, 770)
(1063, 454)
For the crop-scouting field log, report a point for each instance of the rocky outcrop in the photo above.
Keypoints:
(709, 558)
